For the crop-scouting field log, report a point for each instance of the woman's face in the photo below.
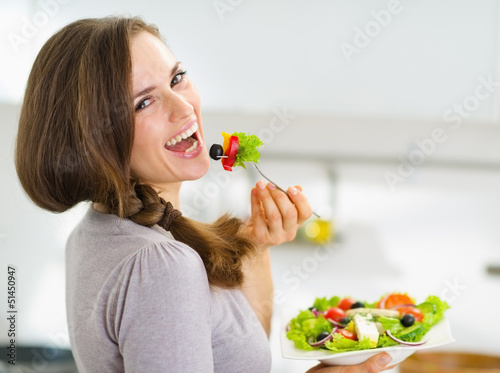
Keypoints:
(169, 144)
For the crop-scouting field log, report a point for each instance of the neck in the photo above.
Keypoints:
(169, 193)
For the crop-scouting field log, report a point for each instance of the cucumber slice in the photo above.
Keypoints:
(427, 307)
(409, 333)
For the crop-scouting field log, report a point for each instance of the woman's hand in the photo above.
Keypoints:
(374, 364)
(276, 217)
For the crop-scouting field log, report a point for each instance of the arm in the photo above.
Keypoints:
(258, 287)
(275, 219)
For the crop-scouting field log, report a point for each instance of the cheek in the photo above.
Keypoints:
(140, 148)
(194, 96)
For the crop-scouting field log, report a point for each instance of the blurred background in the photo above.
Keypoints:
(386, 112)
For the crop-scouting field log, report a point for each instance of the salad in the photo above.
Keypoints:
(346, 324)
(236, 149)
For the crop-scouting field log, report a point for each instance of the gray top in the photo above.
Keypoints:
(139, 301)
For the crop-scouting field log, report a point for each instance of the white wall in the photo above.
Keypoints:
(422, 58)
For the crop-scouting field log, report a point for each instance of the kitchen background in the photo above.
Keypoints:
(386, 112)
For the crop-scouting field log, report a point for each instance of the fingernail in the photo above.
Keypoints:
(384, 360)
(261, 185)
(271, 186)
(292, 190)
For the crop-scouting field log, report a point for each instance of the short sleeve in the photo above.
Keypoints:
(162, 319)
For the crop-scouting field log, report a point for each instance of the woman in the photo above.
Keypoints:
(110, 117)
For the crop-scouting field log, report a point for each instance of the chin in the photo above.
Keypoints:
(199, 169)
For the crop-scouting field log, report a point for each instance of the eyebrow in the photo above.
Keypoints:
(153, 87)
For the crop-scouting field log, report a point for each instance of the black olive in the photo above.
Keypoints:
(216, 151)
(345, 320)
(311, 308)
(322, 336)
(408, 320)
(358, 305)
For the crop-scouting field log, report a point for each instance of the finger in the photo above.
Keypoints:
(258, 216)
(377, 363)
(271, 210)
(374, 364)
(322, 368)
(316, 368)
(289, 214)
(301, 203)
(390, 367)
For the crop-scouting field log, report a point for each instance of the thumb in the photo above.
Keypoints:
(378, 362)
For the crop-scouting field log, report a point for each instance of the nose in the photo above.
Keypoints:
(178, 107)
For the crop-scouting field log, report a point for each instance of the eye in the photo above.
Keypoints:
(144, 104)
(178, 78)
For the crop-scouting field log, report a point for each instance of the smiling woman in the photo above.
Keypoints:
(110, 117)
(167, 115)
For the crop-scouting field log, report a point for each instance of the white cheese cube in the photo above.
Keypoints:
(366, 329)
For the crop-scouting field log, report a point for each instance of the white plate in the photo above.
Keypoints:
(438, 335)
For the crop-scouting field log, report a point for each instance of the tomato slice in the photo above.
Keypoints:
(413, 311)
(232, 150)
(394, 299)
(348, 334)
(346, 303)
(334, 313)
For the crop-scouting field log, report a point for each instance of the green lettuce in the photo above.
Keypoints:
(432, 314)
(323, 304)
(391, 324)
(339, 343)
(247, 148)
(370, 305)
(296, 322)
(299, 339)
(307, 326)
(385, 341)
(310, 325)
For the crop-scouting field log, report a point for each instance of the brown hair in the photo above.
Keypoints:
(75, 137)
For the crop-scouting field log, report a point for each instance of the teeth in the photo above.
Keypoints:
(183, 135)
(193, 147)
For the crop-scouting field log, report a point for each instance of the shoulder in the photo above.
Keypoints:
(170, 263)
(160, 280)
(127, 250)
(121, 238)
(176, 257)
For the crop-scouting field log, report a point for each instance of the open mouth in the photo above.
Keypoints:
(184, 142)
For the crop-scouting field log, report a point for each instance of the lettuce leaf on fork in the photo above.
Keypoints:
(247, 148)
